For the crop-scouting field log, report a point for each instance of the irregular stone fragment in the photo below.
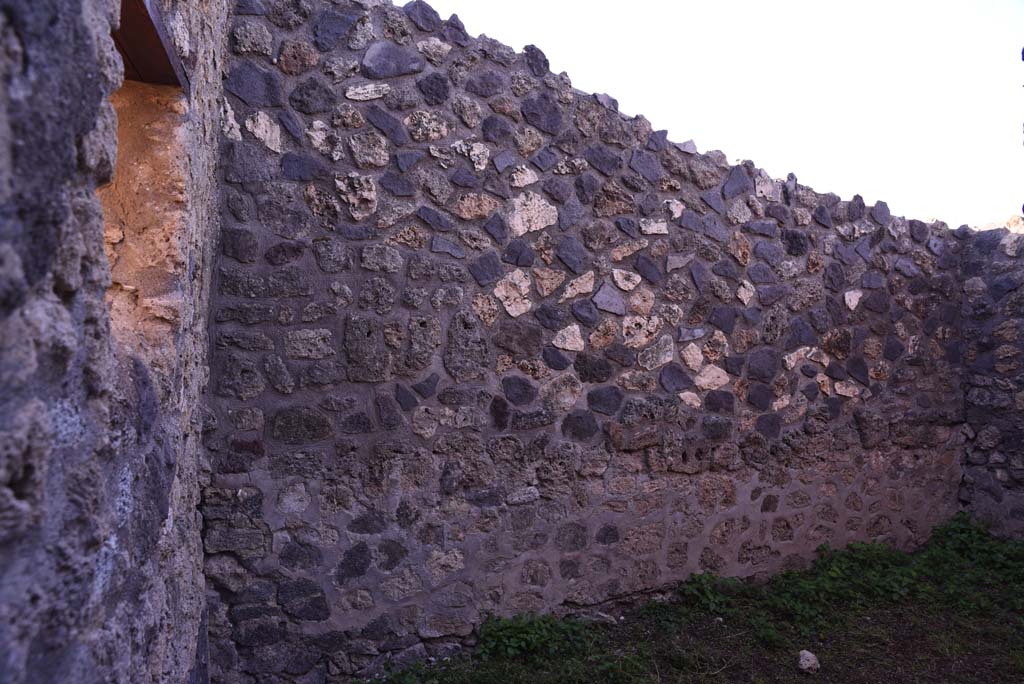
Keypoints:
(385, 60)
(434, 49)
(513, 291)
(673, 378)
(745, 293)
(266, 130)
(846, 388)
(252, 38)
(578, 286)
(572, 253)
(312, 96)
(609, 299)
(359, 193)
(625, 280)
(426, 126)
(297, 57)
(711, 378)
(369, 150)
(738, 183)
(542, 111)
(518, 390)
(529, 212)
(547, 280)
(381, 258)
(522, 176)
(569, 339)
(692, 356)
(580, 426)
(639, 331)
(658, 354)
(691, 399)
(852, 298)
(475, 206)
(628, 249)
(332, 26)
(478, 153)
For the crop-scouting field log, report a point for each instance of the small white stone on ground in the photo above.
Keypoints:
(809, 662)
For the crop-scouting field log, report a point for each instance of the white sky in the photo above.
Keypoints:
(916, 102)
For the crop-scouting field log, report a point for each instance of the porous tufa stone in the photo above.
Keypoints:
(625, 280)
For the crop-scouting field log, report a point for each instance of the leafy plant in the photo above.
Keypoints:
(530, 636)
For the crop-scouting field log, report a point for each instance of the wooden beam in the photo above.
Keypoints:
(144, 44)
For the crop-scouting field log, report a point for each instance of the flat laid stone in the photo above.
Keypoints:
(442, 245)
(384, 60)
(569, 339)
(678, 261)
(529, 212)
(653, 227)
(852, 298)
(367, 91)
(513, 291)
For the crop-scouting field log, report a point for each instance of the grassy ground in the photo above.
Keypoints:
(951, 613)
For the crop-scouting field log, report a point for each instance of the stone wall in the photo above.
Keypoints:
(478, 344)
(100, 567)
(993, 322)
(483, 344)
